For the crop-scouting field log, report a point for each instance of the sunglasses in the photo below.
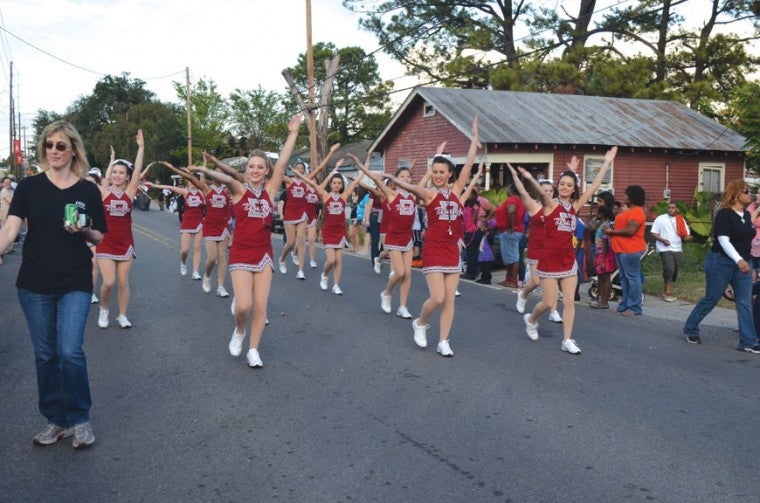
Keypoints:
(746, 191)
(60, 146)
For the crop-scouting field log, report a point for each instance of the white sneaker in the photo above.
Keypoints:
(420, 334)
(300, 275)
(457, 293)
(103, 318)
(390, 274)
(378, 267)
(570, 346)
(266, 321)
(123, 321)
(236, 343)
(294, 258)
(555, 317)
(222, 292)
(206, 285)
(385, 302)
(403, 312)
(232, 306)
(336, 290)
(94, 299)
(183, 268)
(253, 358)
(521, 303)
(323, 281)
(196, 276)
(283, 267)
(313, 264)
(444, 349)
(530, 328)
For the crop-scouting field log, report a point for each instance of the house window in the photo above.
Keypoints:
(428, 110)
(404, 163)
(591, 167)
(711, 177)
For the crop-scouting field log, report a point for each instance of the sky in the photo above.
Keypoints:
(240, 44)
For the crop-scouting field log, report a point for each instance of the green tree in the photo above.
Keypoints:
(209, 118)
(258, 119)
(360, 105)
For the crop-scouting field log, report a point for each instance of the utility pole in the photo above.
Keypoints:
(189, 115)
(310, 82)
(11, 157)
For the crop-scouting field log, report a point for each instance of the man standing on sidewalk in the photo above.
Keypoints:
(669, 231)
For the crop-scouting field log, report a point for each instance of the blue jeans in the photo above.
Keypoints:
(629, 265)
(720, 271)
(56, 325)
(510, 246)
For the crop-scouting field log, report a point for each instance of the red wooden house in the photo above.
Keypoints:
(664, 146)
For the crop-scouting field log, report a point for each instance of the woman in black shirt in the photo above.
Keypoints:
(55, 278)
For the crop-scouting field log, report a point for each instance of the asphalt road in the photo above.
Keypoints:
(347, 408)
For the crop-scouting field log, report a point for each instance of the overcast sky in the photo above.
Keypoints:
(237, 43)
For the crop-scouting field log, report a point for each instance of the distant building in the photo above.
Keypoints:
(663, 145)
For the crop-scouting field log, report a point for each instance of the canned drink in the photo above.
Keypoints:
(70, 215)
(82, 220)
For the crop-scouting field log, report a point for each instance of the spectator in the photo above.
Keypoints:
(669, 231)
(510, 224)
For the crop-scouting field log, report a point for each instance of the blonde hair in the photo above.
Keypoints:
(733, 190)
(79, 164)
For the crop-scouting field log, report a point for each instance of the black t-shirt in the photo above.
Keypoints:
(739, 230)
(55, 260)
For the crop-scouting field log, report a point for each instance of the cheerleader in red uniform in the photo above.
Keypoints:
(312, 208)
(536, 239)
(191, 227)
(440, 252)
(216, 236)
(294, 219)
(334, 225)
(557, 259)
(251, 256)
(399, 238)
(117, 250)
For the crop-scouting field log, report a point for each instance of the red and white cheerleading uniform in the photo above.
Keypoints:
(557, 258)
(440, 250)
(400, 215)
(312, 205)
(251, 249)
(536, 238)
(218, 212)
(385, 218)
(192, 218)
(118, 243)
(295, 204)
(334, 225)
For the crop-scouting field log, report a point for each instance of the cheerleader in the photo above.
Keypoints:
(295, 220)
(536, 239)
(191, 226)
(216, 236)
(251, 256)
(117, 250)
(557, 259)
(312, 208)
(334, 226)
(441, 250)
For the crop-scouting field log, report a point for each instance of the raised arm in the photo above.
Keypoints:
(229, 170)
(384, 190)
(319, 187)
(176, 190)
(323, 164)
(466, 194)
(233, 184)
(423, 193)
(464, 175)
(591, 190)
(278, 171)
(546, 200)
(199, 184)
(134, 183)
(530, 204)
(107, 174)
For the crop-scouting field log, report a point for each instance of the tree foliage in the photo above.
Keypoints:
(258, 119)
(209, 119)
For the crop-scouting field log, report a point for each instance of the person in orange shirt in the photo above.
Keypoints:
(627, 241)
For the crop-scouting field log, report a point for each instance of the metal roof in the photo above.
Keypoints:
(520, 117)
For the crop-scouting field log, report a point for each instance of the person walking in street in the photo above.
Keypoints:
(557, 261)
(728, 263)
(55, 278)
(251, 258)
(295, 220)
(116, 253)
(670, 230)
(441, 251)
